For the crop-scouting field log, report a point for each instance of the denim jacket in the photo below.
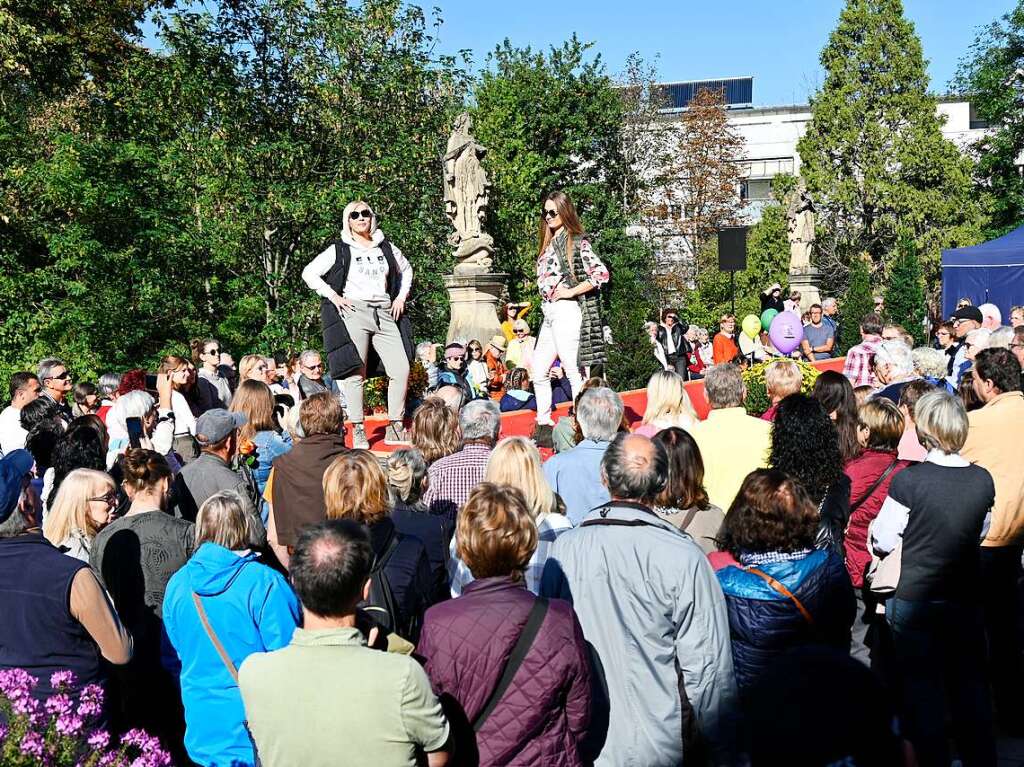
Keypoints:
(269, 446)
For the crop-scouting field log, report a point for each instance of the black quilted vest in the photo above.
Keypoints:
(342, 357)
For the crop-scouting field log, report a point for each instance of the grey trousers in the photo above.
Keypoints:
(371, 322)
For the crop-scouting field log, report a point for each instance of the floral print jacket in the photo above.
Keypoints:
(549, 270)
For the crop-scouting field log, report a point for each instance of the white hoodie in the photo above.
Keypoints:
(368, 272)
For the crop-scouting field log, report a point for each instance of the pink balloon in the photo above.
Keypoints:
(786, 332)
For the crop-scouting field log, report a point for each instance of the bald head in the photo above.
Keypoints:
(634, 468)
(451, 395)
(330, 565)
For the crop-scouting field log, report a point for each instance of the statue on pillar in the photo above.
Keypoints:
(466, 197)
(803, 277)
(800, 220)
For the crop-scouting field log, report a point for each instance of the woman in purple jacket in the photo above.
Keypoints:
(532, 713)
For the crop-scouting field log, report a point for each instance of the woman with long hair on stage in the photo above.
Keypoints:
(569, 276)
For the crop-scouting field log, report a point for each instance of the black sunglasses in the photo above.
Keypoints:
(61, 377)
(360, 214)
(549, 214)
(212, 351)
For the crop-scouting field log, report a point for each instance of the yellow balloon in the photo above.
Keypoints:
(751, 326)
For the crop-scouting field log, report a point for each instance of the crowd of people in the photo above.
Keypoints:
(247, 587)
(835, 580)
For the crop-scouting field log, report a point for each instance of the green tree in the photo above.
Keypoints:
(554, 121)
(990, 76)
(148, 197)
(904, 290)
(873, 155)
(857, 302)
(704, 175)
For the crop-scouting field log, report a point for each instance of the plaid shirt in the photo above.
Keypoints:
(860, 362)
(548, 529)
(453, 478)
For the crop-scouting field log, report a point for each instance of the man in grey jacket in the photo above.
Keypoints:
(211, 472)
(655, 618)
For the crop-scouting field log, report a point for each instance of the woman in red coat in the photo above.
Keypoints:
(542, 715)
(880, 429)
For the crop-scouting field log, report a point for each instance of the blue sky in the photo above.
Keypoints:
(775, 41)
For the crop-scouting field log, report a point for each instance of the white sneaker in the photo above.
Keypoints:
(396, 434)
(359, 440)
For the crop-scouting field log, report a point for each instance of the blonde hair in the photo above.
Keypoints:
(356, 488)
(70, 508)
(941, 422)
(247, 364)
(667, 399)
(224, 520)
(256, 401)
(884, 422)
(435, 429)
(495, 534)
(516, 462)
(783, 378)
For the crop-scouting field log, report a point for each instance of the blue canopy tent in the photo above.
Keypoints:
(992, 272)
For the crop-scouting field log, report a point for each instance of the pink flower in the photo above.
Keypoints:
(16, 683)
(90, 702)
(70, 724)
(32, 745)
(62, 680)
(59, 704)
(99, 739)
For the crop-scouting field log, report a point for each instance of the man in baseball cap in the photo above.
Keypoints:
(965, 319)
(211, 472)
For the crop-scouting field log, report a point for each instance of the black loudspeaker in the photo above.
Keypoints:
(732, 249)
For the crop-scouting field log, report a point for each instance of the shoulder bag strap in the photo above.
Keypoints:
(875, 485)
(225, 658)
(515, 660)
(688, 518)
(777, 586)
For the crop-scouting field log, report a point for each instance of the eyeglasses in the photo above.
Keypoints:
(215, 350)
(1017, 346)
(549, 214)
(318, 366)
(110, 498)
(459, 358)
(521, 332)
(360, 214)
(61, 377)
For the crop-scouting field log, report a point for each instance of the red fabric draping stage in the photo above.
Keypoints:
(521, 422)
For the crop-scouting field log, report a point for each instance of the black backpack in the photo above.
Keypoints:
(380, 605)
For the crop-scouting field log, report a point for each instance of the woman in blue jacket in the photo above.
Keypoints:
(781, 592)
(248, 607)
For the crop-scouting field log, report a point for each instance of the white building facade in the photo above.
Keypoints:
(770, 135)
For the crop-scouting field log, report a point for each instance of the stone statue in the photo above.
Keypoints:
(466, 191)
(800, 218)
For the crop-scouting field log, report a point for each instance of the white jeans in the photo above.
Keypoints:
(559, 338)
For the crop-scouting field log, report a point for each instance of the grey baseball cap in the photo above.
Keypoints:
(214, 425)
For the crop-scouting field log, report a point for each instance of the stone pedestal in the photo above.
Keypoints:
(474, 301)
(806, 280)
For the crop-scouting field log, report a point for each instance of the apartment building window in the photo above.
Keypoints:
(755, 189)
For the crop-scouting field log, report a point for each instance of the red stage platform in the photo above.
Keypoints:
(521, 422)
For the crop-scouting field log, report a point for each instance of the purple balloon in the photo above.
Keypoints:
(786, 332)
